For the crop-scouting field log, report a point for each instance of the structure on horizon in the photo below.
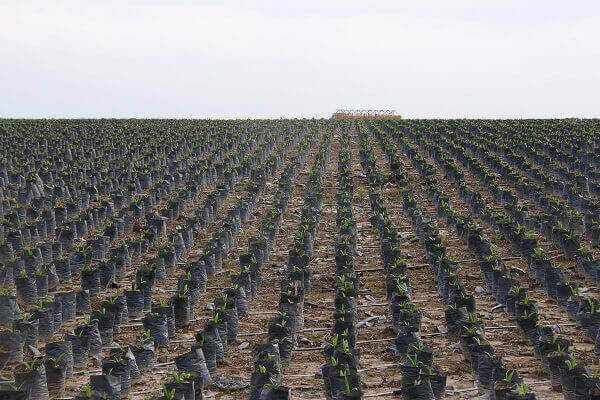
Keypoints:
(365, 114)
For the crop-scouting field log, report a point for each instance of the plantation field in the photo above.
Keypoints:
(299, 259)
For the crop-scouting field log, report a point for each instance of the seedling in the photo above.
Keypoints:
(334, 341)
(414, 360)
(473, 318)
(282, 323)
(180, 378)
(113, 299)
(591, 306)
(523, 389)
(30, 365)
(169, 394)
(17, 388)
(39, 305)
(184, 293)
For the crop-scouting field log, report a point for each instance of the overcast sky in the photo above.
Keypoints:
(268, 59)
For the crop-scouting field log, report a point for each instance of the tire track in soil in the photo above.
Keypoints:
(550, 314)
(516, 351)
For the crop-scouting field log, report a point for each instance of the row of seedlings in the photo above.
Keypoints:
(66, 267)
(571, 375)
(550, 348)
(564, 225)
(589, 223)
(581, 179)
(420, 379)
(340, 372)
(272, 356)
(555, 223)
(553, 277)
(503, 287)
(212, 342)
(168, 314)
(574, 187)
(460, 312)
(45, 318)
(43, 265)
(89, 336)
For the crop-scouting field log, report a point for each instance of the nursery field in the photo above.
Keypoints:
(299, 259)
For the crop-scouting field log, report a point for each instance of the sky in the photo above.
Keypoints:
(303, 58)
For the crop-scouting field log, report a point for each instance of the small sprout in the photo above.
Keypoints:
(414, 360)
(17, 388)
(334, 341)
(184, 293)
(56, 360)
(473, 318)
(509, 375)
(523, 389)
(180, 378)
(592, 305)
(29, 365)
(169, 394)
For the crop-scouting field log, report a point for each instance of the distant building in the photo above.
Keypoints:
(365, 114)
